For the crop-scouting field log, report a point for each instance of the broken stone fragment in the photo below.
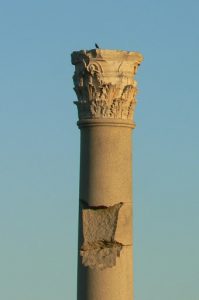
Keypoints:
(99, 249)
(101, 255)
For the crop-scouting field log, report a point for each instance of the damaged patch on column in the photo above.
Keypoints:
(99, 249)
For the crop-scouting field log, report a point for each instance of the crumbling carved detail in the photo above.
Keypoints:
(104, 84)
(100, 250)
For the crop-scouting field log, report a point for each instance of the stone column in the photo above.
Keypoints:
(106, 89)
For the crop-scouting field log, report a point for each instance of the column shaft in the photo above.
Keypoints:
(105, 181)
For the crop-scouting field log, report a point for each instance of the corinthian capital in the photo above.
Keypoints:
(104, 83)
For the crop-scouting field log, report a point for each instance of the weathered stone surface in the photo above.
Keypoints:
(99, 249)
(101, 255)
(104, 83)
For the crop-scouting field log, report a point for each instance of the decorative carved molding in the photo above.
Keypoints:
(104, 83)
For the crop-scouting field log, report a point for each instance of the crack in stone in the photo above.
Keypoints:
(99, 249)
(86, 206)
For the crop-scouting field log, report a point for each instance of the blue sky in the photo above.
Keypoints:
(39, 152)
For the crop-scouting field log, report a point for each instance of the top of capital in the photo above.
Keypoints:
(105, 55)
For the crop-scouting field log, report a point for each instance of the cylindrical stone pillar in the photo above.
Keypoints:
(106, 89)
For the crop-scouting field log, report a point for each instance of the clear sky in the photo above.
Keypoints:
(39, 150)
